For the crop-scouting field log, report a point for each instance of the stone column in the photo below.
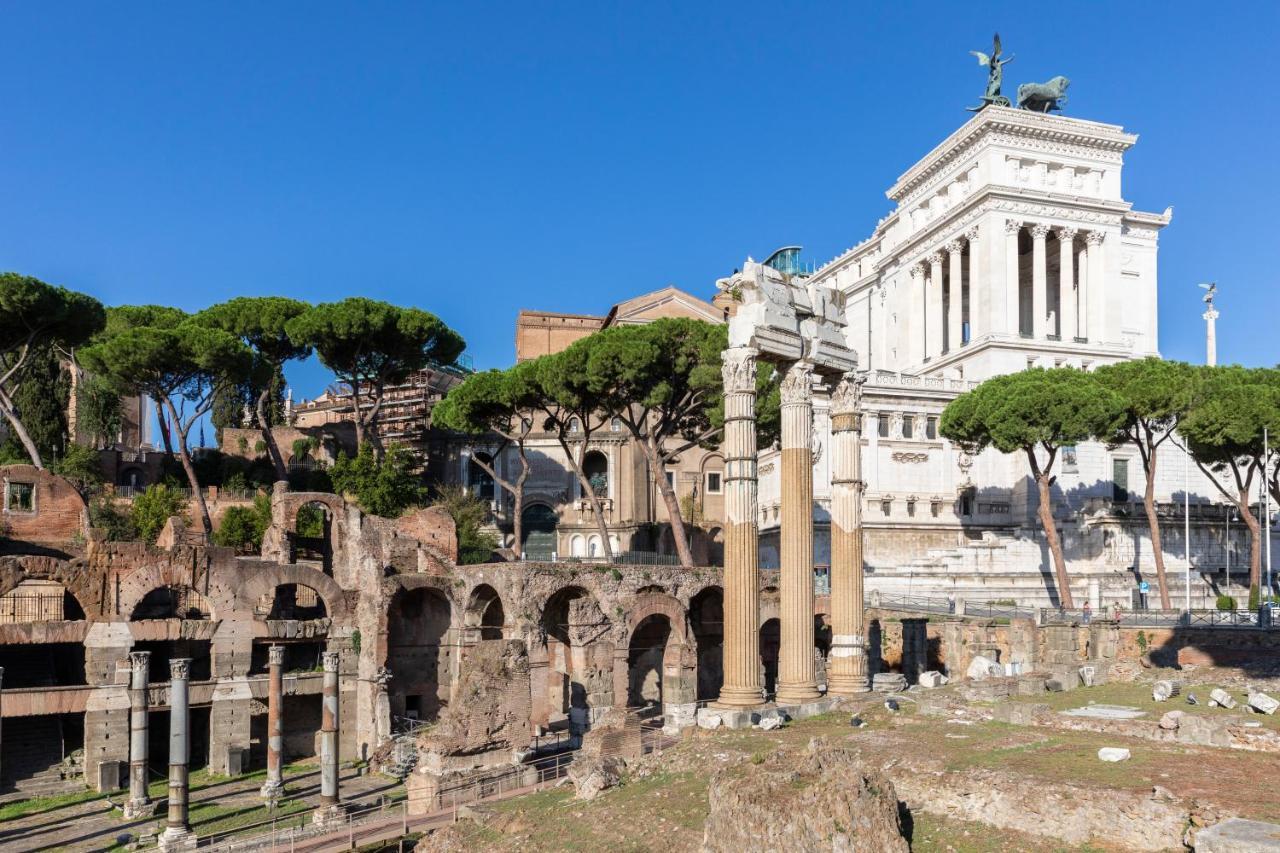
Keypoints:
(1012, 276)
(741, 685)
(797, 680)
(847, 668)
(330, 802)
(138, 804)
(1082, 290)
(1067, 284)
(979, 290)
(1039, 283)
(177, 832)
(933, 323)
(274, 786)
(1094, 293)
(913, 312)
(955, 309)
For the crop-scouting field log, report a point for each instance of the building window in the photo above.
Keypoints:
(908, 426)
(882, 425)
(936, 508)
(931, 428)
(671, 480)
(575, 426)
(615, 425)
(886, 507)
(713, 483)
(1120, 480)
(1069, 463)
(20, 497)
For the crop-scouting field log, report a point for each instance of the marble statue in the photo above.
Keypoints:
(995, 75)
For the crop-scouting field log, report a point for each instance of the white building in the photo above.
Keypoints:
(1010, 246)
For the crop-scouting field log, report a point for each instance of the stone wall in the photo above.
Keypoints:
(41, 507)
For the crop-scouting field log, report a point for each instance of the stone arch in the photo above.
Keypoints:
(421, 647)
(706, 622)
(595, 466)
(484, 614)
(539, 524)
(647, 660)
(578, 675)
(40, 600)
(269, 576)
(291, 601)
(651, 603)
(178, 601)
(138, 585)
(86, 595)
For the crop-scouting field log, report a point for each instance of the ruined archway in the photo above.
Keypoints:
(292, 601)
(419, 650)
(579, 671)
(770, 642)
(485, 614)
(646, 659)
(312, 535)
(171, 602)
(706, 619)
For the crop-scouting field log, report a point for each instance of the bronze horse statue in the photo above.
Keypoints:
(1043, 97)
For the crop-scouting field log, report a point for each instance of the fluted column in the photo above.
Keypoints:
(1013, 276)
(1067, 284)
(1039, 283)
(955, 308)
(913, 315)
(1093, 295)
(177, 831)
(847, 669)
(330, 801)
(797, 680)
(273, 787)
(934, 320)
(139, 803)
(741, 658)
(979, 290)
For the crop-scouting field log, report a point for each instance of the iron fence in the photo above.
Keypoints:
(998, 610)
(19, 607)
(913, 603)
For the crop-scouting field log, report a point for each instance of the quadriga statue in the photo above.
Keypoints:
(1043, 97)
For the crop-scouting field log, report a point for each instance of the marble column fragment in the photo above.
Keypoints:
(741, 686)
(847, 667)
(330, 802)
(797, 681)
(1039, 283)
(139, 803)
(273, 787)
(177, 832)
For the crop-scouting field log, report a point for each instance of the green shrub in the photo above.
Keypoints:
(310, 521)
(468, 513)
(238, 529)
(154, 507)
(109, 518)
(385, 488)
(81, 466)
(1226, 602)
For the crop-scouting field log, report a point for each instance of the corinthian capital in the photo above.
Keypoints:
(1066, 234)
(331, 660)
(955, 247)
(1012, 226)
(846, 399)
(1094, 238)
(738, 369)
(917, 271)
(797, 384)
(1039, 232)
(179, 669)
(275, 655)
(936, 258)
(971, 234)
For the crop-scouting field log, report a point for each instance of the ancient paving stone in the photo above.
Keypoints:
(1237, 835)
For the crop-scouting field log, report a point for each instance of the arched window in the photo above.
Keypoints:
(596, 467)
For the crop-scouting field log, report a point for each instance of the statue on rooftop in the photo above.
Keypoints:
(995, 75)
(1043, 97)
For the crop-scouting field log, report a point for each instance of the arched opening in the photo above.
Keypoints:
(579, 671)
(594, 545)
(311, 535)
(595, 465)
(171, 602)
(39, 601)
(715, 546)
(538, 522)
(770, 642)
(485, 612)
(292, 601)
(482, 485)
(419, 652)
(645, 656)
(706, 617)
(577, 545)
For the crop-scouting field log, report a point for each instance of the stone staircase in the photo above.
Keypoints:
(33, 763)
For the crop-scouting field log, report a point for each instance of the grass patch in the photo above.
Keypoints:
(38, 805)
(934, 834)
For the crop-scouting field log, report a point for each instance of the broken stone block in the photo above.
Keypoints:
(1030, 685)
(931, 679)
(1088, 675)
(1164, 690)
(889, 682)
(709, 721)
(768, 724)
(1020, 713)
(1113, 753)
(1235, 835)
(981, 667)
(1262, 703)
(1222, 697)
(590, 776)
(1171, 720)
(1202, 730)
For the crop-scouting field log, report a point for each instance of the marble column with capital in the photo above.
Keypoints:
(177, 833)
(139, 803)
(331, 807)
(1039, 283)
(979, 288)
(913, 315)
(797, 679)
(1091, 300)
(1067, 301)
(273, 787)
(741, 686)
(955, 304)
(1013, 276)
(933, 322)
(847, 666)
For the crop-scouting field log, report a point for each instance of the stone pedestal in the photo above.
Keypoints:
(796, 678)
(741, 686)
(273, 787)
(847, 667)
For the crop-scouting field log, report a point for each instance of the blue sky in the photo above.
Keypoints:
(473, 159)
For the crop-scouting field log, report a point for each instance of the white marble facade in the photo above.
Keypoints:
(1010, 245)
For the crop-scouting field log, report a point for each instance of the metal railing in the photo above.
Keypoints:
(997, 610)
(912, 603)
(1161, 618)
(19, 607)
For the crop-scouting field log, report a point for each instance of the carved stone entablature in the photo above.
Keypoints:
(1050, 211)
(914, 458)
(766, 468)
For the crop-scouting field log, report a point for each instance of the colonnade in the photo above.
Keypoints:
(797, 682)
(1078, 285)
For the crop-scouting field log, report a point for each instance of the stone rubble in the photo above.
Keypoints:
(1165, 689)
(1263, 704)
(982, 667)
(932, 679)
(1113, 753)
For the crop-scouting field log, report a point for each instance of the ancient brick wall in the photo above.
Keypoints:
(41, 507)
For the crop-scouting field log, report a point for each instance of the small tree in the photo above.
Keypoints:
(499, 402)
(384, 488)
(468, 513)
(369, 345)
(153, 508)
(180, 367)
(259, 322)
(1157, 395)
(1036, 412)
(81, 467)
(1224, 432)
(98, 413)
(35, 317)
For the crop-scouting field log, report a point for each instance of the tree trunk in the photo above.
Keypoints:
(1051, 531)
(1153, 522)
(1255, 542)
(670, 500)
(21, 431)
(162, 420)
(185, 456)
(597, 508)
(268, 437)
(516, 490)
(355, 415)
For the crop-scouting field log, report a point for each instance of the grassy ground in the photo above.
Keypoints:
(38, 805)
